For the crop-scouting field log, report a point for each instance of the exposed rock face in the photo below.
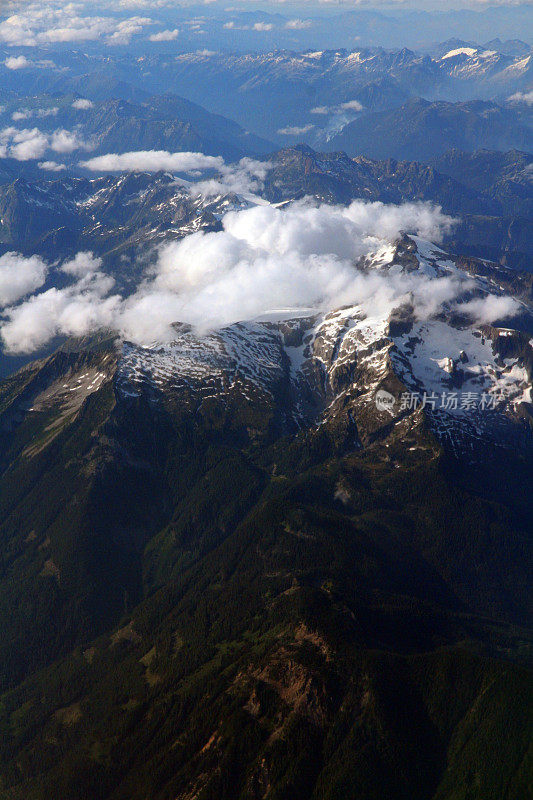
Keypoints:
(110, 215)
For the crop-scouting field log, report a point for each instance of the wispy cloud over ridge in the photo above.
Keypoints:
(152, 161)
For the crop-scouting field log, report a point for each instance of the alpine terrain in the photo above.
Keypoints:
(266, 401)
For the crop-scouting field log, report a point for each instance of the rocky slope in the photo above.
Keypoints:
(246, 562)
(494, 213)
(161, 122)
(489, 191)
(312, 369)
(114, 216)
(119, 124)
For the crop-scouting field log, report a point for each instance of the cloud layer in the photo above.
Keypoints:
(31, 143)
(267, 258)
(243, 177)
(522, 97)
(19, 276)
(264, 258)
(296, 130)
(84, 306)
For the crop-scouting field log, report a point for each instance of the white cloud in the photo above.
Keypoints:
(23, 145)
(28, 113)
(265, 258)
(152, 161)
(46, 23)
(126, 29)
(19, 276)
(51, 166)
(150, 4)
(47, 112)
(17, 116)
(298, 24)
(17, 62)
(303, 256)
(353, 106)
(244, 178)
(262, 26)
(164, 36)
(31, 143)
(75, 310)
(82, 104)
(295, 130)
(522, 97)
(63, 141)
(489, 309)
(84, 263)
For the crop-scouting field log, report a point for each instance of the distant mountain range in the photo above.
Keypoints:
(281, 94)
(269, 92)
(487, 181)
(422, 130)
(489, 191)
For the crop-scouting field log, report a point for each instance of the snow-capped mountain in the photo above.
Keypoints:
(327, 369)
(312, 88)
(291, 370)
